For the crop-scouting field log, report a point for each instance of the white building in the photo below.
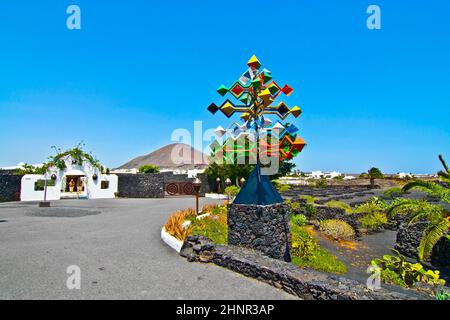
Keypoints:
(76, 181)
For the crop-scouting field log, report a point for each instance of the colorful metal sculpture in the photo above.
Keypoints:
(258, 135)
(256, 91)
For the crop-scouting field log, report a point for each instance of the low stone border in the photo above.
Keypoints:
(304, 283)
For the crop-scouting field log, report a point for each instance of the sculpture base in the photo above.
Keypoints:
(264, 228)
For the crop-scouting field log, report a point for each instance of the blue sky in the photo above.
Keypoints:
(140, 69)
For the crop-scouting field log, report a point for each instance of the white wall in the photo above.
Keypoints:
(27, 192)
(96, 192)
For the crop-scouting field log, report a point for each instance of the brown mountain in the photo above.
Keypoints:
(173, 156)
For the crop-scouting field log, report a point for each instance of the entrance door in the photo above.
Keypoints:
(74, 186)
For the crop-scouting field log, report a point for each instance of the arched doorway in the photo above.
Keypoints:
(74, 185)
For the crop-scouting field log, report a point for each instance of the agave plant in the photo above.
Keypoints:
(441, 190)
(421, 210)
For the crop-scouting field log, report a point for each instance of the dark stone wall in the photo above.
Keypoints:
(305, 283)
(408, 240)
(263, 228)
(141, 185)
(10, 186)
(151, 185)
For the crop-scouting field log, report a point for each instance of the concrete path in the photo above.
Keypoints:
(119, 251)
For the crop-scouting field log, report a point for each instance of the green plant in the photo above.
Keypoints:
(299, 208)
(309, 199)
(29, 169)
(374, 173)
(232, 191)
(311, 210)
(442, 294)
(372, 205)
(214, 227)
(304, 246)
(373, 221)
(364, 175)
(283, 187)
(391, 277)
(321, 183)
(441, 190)
(339, 204)
(76, 153)
(148, 168)
(393, 192)
(409, 273)
(420, 210)
(337, 229)
(284, 169)
(299, 219)
(306, 252)
(295, 207)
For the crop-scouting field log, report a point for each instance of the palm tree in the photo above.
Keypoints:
(372, 174)
(420, 210)
(439, 222)
(441, 190)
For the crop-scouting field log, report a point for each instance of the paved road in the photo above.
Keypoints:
(119, 251)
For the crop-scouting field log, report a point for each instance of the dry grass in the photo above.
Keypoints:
(174, 225)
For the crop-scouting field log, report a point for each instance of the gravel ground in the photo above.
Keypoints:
(117, 245)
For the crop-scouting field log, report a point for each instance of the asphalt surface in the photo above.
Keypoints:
(119, 252)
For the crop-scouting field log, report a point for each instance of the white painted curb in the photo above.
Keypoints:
(171, 241)
(216, 196)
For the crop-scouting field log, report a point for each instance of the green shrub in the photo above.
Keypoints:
(214, 227)
(276, 183)
(309, 199)
(408, 273)
(284, 188)
(295, 207)
(149, 168)
(337, 229)
(306, 252)
(393, 192)
(322, 183)
(299, 220)
(310, 210)
(372, 205)
(391, 277)
(339, 204)
(232, 191)
(442, 294)
(373, 221)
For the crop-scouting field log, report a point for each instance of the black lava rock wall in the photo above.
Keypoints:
(10, 187)
(141, 185)
(263, 228)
